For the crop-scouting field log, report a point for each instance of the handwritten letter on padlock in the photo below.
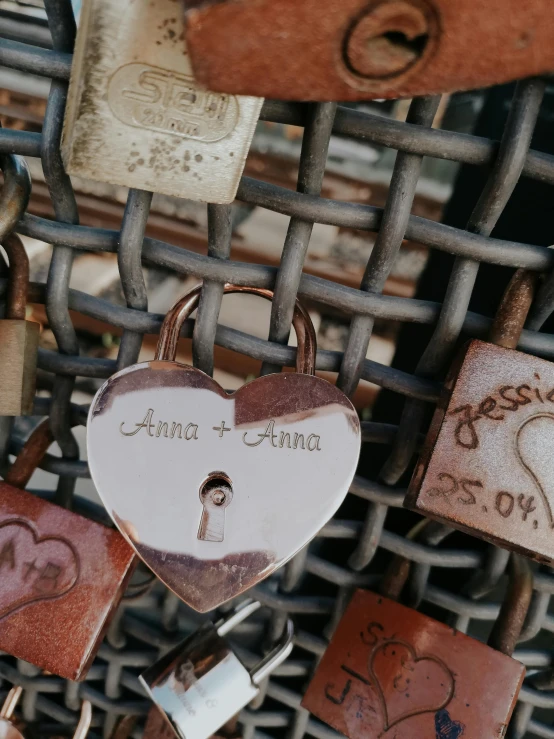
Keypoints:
(395, 673)
(491, 467)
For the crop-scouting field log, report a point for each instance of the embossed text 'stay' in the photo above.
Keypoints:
(216, 491)
(393, 673)
(487, 465)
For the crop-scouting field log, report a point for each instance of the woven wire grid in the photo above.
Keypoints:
(314, 587)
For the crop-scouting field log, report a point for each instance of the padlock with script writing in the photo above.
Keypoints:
(215, 491)
(135, 115)
(61, 575)
(393, 673)
(201, 684)
(487, 467)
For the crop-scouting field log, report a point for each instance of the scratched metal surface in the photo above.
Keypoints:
(316, 585)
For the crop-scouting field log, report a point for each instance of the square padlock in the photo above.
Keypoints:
(393, 673)
(486, 467)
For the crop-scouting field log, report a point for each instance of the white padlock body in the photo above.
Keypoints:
(135, 115)
(200, 685)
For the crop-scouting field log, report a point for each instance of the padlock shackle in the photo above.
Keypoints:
(30, 455)
(15, 192)
(513, 611)
(18, 283)
(397, 573)
(238, 615)
(512, 312)
(277, 655)
(10, 702)
(84, 721)
(173, 322)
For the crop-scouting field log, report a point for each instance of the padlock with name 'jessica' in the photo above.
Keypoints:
(201, 683)
(215, 491)
(486, 466)
(393, 673)
(61, 575)
(135, 115)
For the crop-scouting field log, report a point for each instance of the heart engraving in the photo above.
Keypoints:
(406, 684)
(534, 441)
(33, 568)
(215, 491)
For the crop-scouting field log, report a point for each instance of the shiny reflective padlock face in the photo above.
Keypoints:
(487, 465)
(61, 578)
(135, 115)
(393, 672)
(200, 685)
(216, 491)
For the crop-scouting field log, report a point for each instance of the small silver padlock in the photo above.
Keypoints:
(201, 683)
(9, 731)
(135, 115)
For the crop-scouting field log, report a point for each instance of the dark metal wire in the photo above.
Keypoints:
(315, 586)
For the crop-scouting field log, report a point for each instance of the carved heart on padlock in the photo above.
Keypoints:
(48, 566)
(216, 491)
(408, 685)
(534, 440)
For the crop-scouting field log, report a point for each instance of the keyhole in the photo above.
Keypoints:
(216, 493)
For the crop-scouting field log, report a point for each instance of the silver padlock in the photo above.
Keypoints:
(135, 115)
(201, 683)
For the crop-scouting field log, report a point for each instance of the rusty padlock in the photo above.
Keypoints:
(61, 575)
(18, 337)
(9, 730)
(395, 673)
(486, 466)
(201, 683)
(365, 49)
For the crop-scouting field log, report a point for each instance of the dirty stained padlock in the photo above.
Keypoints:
(201, 683)
(486, 465)
(360, 50)
(135, 115)
(61, 575)
(391, 672)
(215, 491)
(8, 729)
(18, 337)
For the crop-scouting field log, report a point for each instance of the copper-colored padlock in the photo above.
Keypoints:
(486, 467)
(395, 673)
(365, 49)
(61, 575)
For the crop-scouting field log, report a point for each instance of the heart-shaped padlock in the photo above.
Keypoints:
(215, 491)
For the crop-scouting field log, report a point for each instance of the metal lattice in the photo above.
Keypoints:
(316, 585)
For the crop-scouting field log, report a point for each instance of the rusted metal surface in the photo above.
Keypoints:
(16, 299)
(513, 309)
(62, 575)
(357, 50)
(509, 624)
(392, 672)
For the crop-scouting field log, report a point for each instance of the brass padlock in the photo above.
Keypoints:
(62, 575)
(486, 466)
(136, 116)
(393, 672)
(18, 337)
(8, 729)
(201, 683)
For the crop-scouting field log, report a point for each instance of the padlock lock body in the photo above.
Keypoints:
(200, 684)
(487, 465)
(61, 579)
(135, 115)
(18, 366)
(393, 672)
(8, 730)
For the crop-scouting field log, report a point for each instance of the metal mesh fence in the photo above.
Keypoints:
(315, 587)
